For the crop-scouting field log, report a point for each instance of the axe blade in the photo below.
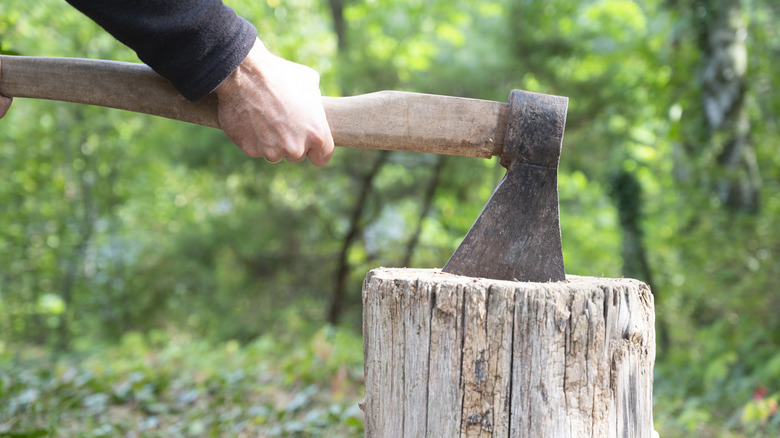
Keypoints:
(517, 236)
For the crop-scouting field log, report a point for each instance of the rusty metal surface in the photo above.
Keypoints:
(518, 236)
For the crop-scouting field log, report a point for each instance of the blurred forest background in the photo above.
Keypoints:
(156, 282)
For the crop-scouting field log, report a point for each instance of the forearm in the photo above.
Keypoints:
(268, 106)
(195, 44)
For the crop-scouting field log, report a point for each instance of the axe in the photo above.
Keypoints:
(516, 236)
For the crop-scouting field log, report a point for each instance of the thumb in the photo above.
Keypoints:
(319, 156)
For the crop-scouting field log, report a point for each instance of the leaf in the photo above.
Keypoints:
(32, 434)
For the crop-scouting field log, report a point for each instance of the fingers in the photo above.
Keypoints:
(272, 108)
(321, 155)
(319, 150)
(5, 102)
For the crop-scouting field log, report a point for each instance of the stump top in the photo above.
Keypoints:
(435, 275)
(448, 355)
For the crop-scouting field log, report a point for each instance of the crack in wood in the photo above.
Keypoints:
(477, 358)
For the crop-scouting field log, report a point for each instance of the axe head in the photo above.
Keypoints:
(517, 236)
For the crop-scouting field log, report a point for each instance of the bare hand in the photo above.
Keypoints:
(5, 102)
(272, 108)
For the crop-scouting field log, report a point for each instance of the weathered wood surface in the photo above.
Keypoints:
(389, 120)
(449, 356)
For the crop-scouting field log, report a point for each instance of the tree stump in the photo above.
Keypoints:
(449, 356)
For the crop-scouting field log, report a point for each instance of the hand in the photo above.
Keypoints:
(272, 108)
(5, 102)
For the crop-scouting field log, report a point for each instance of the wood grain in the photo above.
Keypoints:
(388, 120)
(456, 356)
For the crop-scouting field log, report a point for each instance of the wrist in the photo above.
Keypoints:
(252, 64)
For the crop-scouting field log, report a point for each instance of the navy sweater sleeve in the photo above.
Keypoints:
(195, 44)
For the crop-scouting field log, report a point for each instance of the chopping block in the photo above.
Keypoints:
(463, 351)
(448, 356)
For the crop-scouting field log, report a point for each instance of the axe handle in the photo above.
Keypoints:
(390, 120)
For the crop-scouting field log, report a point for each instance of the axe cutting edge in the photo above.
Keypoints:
(517, 235)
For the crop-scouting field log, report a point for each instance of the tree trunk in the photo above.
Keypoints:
(355, 228)
(723, 35)
(425, 208)
(450, 356)
(339, 25)
(627, 192)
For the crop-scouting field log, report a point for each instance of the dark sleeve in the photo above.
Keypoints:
(195, 44)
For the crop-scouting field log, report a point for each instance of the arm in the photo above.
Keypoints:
(195, 44)
(268, 106)
(283, 101)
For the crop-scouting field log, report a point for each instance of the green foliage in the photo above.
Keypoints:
(116, 223)
(175, 386)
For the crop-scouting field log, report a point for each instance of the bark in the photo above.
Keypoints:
(449, 356)
(339, 25)
(627, 193)
(722, 36)
(355, 229)
(427, 202)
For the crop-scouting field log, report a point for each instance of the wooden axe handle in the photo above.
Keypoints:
(390, 120)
